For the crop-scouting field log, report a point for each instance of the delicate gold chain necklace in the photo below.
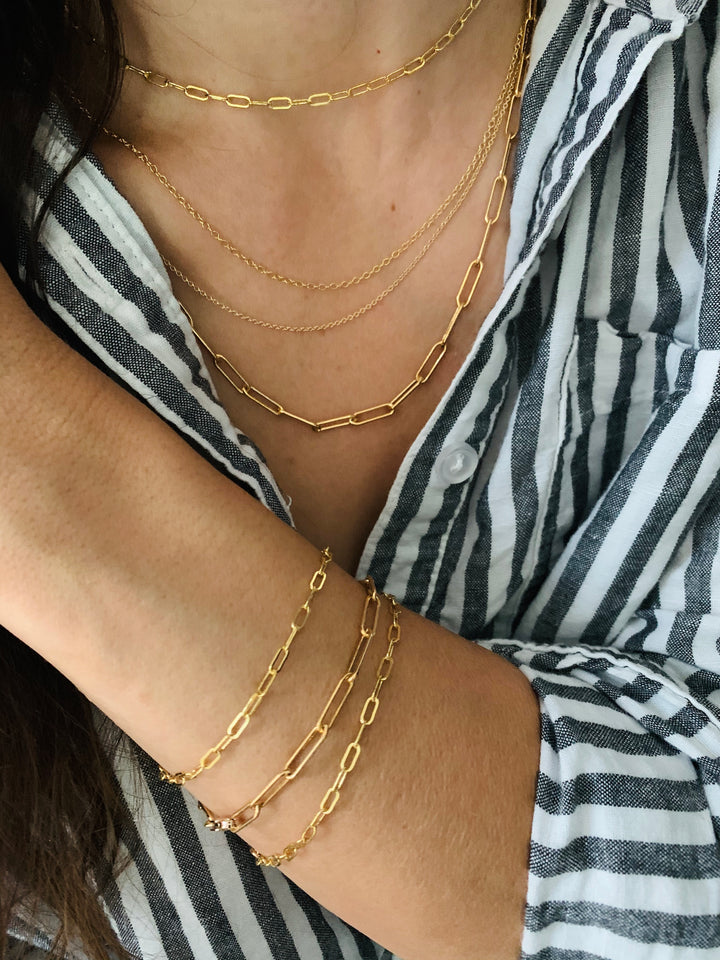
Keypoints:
(242, 101)
(463, 297)
(460, 190)
(366, 307)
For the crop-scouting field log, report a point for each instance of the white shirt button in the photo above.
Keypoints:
(457, 463)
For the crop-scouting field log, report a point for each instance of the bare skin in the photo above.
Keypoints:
(164, 614)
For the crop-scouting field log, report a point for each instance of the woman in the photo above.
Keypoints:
(520, 444)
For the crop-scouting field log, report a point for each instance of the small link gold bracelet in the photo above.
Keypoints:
(250, 811)
(351, 755)
(239, 724)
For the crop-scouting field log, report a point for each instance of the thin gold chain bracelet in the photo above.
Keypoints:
(241, 101)
(351, 755)
(237, 727)
(250, 811)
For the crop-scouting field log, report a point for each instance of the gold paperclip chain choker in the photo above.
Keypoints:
(241, 101)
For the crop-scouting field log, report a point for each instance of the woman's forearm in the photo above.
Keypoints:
(162, 590)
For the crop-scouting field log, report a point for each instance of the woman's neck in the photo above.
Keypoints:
(428, 119)
(271, 47)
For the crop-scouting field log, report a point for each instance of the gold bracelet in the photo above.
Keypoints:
(250, 811)
(349, 758)
(239, 724)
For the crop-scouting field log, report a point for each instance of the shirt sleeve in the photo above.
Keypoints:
(625, 848)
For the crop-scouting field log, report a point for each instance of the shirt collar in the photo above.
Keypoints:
(685, 11)
(587, 60)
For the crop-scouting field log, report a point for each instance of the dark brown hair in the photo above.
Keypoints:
(61, 815)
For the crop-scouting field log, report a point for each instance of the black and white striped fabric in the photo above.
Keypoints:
(561, 507)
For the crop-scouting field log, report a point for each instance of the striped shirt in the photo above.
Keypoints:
(561, 507)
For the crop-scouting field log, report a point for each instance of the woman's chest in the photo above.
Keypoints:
(374, 358)
(370, 390)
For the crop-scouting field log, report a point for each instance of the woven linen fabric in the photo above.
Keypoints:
(561, 507)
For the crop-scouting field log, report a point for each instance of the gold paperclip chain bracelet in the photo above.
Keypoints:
(250, 811)
(239, 724)
(350, 756)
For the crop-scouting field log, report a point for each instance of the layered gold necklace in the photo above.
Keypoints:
(507, 109)
(444, 214)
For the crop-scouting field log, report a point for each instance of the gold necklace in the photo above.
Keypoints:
(242, 101)
(463, 297)
(346, 318)
(460, 190)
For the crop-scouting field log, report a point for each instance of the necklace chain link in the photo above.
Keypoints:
(463, 297)
(242, 101)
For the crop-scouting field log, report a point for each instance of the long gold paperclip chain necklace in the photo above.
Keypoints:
(241, 101)
(460, 190)
(463, 297)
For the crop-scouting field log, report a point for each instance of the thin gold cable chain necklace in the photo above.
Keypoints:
(241, 101)
(463, 297)
(453, 200)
